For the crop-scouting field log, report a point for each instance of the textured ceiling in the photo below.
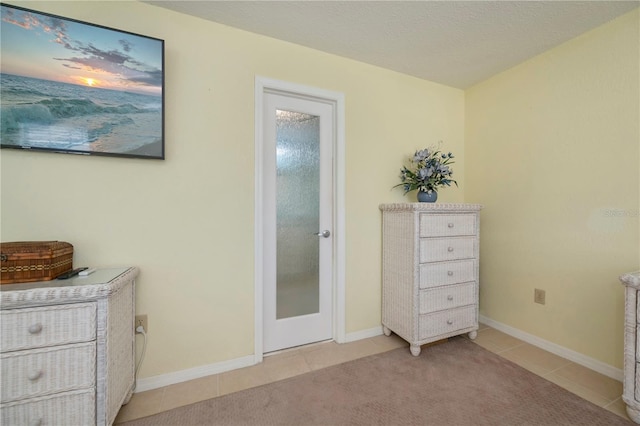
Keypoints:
(456, 43)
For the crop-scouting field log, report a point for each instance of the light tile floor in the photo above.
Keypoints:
(595, 387)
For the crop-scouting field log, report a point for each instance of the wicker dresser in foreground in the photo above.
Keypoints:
(67, 349)
(631, 383)
(430, 256)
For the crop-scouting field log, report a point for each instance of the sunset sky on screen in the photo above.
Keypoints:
(41, 46)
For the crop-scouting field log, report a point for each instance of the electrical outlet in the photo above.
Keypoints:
(141, 320)
(539, 296)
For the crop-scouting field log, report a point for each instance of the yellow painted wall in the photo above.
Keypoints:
(553, 152)
(188, 221)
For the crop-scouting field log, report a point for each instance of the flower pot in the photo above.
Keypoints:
(426, 197)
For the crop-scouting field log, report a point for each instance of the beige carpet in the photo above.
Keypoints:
(454, 383)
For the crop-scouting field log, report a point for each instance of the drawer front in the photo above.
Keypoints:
(447, 225)
(443, 249)
(449, 321)
(47, 326)
(445, 273)
(69, 408)
(448, 297)
(40, 372)
(638, 307)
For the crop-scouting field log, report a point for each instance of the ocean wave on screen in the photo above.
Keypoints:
(47, 111)
(20, 91)
(11, 117)
(106, 128)
(65, 108)
(56, 115)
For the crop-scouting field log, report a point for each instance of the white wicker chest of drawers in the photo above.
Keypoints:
(430, 255)
(67, 349)
(631, 379)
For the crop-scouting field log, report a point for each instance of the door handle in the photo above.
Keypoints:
(324, 233)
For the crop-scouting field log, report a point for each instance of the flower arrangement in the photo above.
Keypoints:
(429, 170)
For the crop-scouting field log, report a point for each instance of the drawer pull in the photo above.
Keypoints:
(450, 225)
(450, 273)
(450, 249)
(449, 297)
(35, 328)
(34, 375)
(449, 322)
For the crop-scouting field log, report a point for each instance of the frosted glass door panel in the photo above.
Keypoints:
(297, 213)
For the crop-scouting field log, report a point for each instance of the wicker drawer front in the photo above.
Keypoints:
(448, 297)
(443, 249)
(47, 326)
(69, 408)
(41, 372)
(447, 321)
(447, 225)
(445, 273)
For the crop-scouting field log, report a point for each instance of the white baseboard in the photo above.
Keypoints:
(155, 382)
(578, 358)
(363, 334)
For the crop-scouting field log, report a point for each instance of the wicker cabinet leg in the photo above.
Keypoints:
(473, 334)
(415, 349)
(633, 414)
(386, 330)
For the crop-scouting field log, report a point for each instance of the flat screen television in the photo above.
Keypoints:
(73, 87)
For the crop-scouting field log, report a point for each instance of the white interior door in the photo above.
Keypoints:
(298, 214)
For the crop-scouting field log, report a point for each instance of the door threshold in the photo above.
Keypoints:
(308, 345)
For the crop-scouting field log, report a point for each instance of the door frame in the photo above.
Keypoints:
(336, 100)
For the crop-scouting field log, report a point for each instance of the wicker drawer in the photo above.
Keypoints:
(443, 249)
(447, 321)
(69, 408)
(445, 273)
(47, 326)
(448, 297)
(440, 225)
(40, 372)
